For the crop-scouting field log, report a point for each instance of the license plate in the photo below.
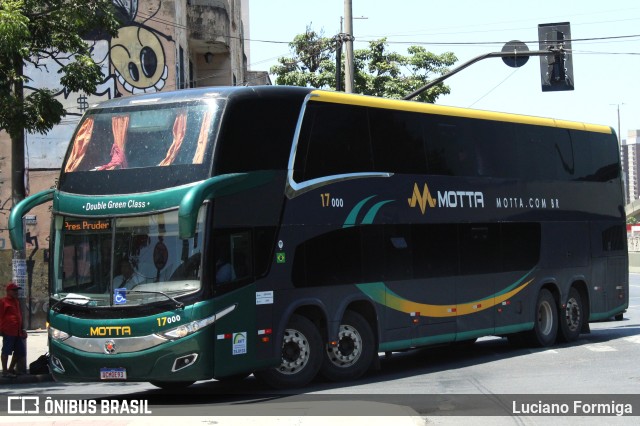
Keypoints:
(113, 373)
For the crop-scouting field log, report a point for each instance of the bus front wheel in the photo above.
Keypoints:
(545, 328)
(353, 354)
(571, 317)
(301, 356)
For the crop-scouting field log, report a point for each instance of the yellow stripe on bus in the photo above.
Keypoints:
(412, 106)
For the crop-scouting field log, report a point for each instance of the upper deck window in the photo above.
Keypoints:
(163, 139)
(338, 139)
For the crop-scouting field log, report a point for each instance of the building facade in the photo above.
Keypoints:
(162, 45)
(630, 155)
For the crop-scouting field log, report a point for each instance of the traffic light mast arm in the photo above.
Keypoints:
(478, 59)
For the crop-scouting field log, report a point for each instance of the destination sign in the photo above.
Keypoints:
(87, 225)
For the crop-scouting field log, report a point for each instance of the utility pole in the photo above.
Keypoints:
(348, 66)
(619, 135)
(18, 193)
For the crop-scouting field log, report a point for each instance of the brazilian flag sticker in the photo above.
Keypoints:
(280, 257)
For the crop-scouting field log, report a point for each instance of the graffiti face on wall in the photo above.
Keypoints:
(138, 60)
(135, 61)
(137, 53)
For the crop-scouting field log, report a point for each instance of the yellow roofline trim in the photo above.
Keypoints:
(412, 106)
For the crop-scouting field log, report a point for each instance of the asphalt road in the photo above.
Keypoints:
(434, 386)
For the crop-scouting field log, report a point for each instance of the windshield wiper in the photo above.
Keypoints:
(179, 305)
(85, 301)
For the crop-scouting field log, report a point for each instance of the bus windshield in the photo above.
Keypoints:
(132, 260)
(164, 145)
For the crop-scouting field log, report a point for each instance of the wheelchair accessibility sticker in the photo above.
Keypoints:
(120, 296)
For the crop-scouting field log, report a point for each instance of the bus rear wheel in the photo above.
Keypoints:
(571, 317)
(545, 328)
(353, 355)
(301, 356)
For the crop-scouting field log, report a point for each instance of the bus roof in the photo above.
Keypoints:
(412, 106)
(214, 92)
(343, 98)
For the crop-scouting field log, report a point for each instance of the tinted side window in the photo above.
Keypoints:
(479, 249)
(403, 252)
(596, 156)
(264, 242)
(334, 139)
(257, 135)
(614, 238)
(233, 259)
(329, 259)
(496, 148)
(450, 147)
(607, 166)
(397, 139)
(435, 250)
(545, 153)
(520, 246)
(387, 252)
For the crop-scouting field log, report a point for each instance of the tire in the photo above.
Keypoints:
(171, 385)
(354, 354)
(619, 317)
(301, 356)
(545, 328)
(571, 317)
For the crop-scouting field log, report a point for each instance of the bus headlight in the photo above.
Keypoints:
(187, 329)
(59, 335)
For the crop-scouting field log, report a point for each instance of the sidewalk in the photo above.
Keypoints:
(37, 345)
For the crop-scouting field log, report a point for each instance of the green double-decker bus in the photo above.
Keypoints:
(289, 232)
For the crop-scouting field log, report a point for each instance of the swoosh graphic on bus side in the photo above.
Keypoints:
(380, 293)
(514, 285)
(373, 211)
(353, 214)
(368, 218)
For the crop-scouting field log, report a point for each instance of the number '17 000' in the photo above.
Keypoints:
(328, 201)
(168, 320)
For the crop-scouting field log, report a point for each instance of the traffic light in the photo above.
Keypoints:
(556, 68)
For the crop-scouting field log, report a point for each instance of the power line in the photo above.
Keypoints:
(495, 87)
(418, 33)
(207, 30)
(480, 43)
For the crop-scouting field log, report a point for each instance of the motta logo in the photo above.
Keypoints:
(124, 330)
(448, 199)
(421, 199)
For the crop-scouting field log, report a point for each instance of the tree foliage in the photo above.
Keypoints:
(35, 32)
(377, 71)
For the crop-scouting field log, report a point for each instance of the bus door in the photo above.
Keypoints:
(236, 334)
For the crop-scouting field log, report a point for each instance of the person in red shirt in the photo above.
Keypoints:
(11, 330)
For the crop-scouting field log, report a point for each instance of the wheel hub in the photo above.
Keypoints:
(295, 352)
(349, 347)
(545, 318)
(572, 314)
